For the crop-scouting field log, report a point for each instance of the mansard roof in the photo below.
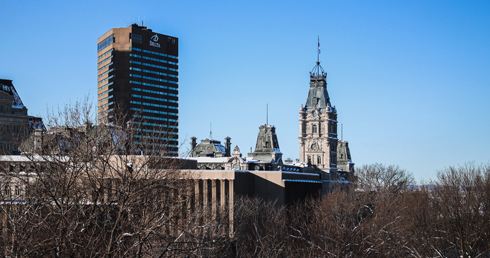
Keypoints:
(318, 95)
(7, 87)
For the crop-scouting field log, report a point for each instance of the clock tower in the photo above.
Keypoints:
(318, 126)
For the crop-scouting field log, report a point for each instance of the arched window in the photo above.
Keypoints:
(314, 129)
(319, 160)
(309, 159)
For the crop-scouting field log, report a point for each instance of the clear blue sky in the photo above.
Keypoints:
(410, 79)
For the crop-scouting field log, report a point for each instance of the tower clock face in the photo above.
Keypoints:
(314, 146)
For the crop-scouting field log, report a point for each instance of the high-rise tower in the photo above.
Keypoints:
(318, 125)
(138, 76)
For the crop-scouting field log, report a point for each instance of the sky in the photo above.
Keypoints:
(410, 79)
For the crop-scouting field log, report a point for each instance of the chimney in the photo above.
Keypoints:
(228, 146)
(38, 139)
(193, 143)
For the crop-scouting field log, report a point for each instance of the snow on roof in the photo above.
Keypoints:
(220, 147)
(210, 159)
(302, 181)
(300, 173)
(22, 158)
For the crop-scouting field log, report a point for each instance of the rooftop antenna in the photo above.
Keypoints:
(267, 115)
(144, 18)
(342, 132)
(210, 130)
(129, 20)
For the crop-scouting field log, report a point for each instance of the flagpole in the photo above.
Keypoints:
(318, 57)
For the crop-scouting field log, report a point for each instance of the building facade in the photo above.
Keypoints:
(15, 123)
(137, 71)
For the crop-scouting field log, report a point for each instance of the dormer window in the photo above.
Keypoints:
(314, 113)
(314, 129)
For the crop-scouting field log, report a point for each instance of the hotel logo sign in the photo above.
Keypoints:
(154, 41)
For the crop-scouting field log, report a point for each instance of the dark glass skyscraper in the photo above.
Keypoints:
(138, 75)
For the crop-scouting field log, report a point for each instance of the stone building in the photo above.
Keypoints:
(267, 146)
(345, 166)
(15, 123)
(321, 152)
(210, 148)
(262, 173)
(318, 139)
(211, 154)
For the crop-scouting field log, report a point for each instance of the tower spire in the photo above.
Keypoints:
(318, 72)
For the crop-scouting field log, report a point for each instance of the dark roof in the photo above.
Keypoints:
(8, 87)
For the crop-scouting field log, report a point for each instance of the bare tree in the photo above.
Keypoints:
(380, 177)
(90, 195)
(461, 199)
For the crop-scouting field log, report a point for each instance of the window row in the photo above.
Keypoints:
(154, 118)
(150, 91)
(9, 128)
(104, 73)
(150, 111)
(7, 191)
(105, 86)
(318, 160)
(4, 108)
(149, 58)
(104, 60)
(154, 105)
(158, 144)
(153, 85)
(155, 124)
(105, 99)
(107, 111)
(105, 92)
(136, 38)
(106, 105)
(147, 64)
(150, 137)
(153, 72)
(105, 79)
(155, 92)
(104, 67)
(148, 104)
(159, 112)
(152, 52)
(152, 98)
(158, 131)
(105, 43)
(106, 53)
(105, 118)
(151, 78)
